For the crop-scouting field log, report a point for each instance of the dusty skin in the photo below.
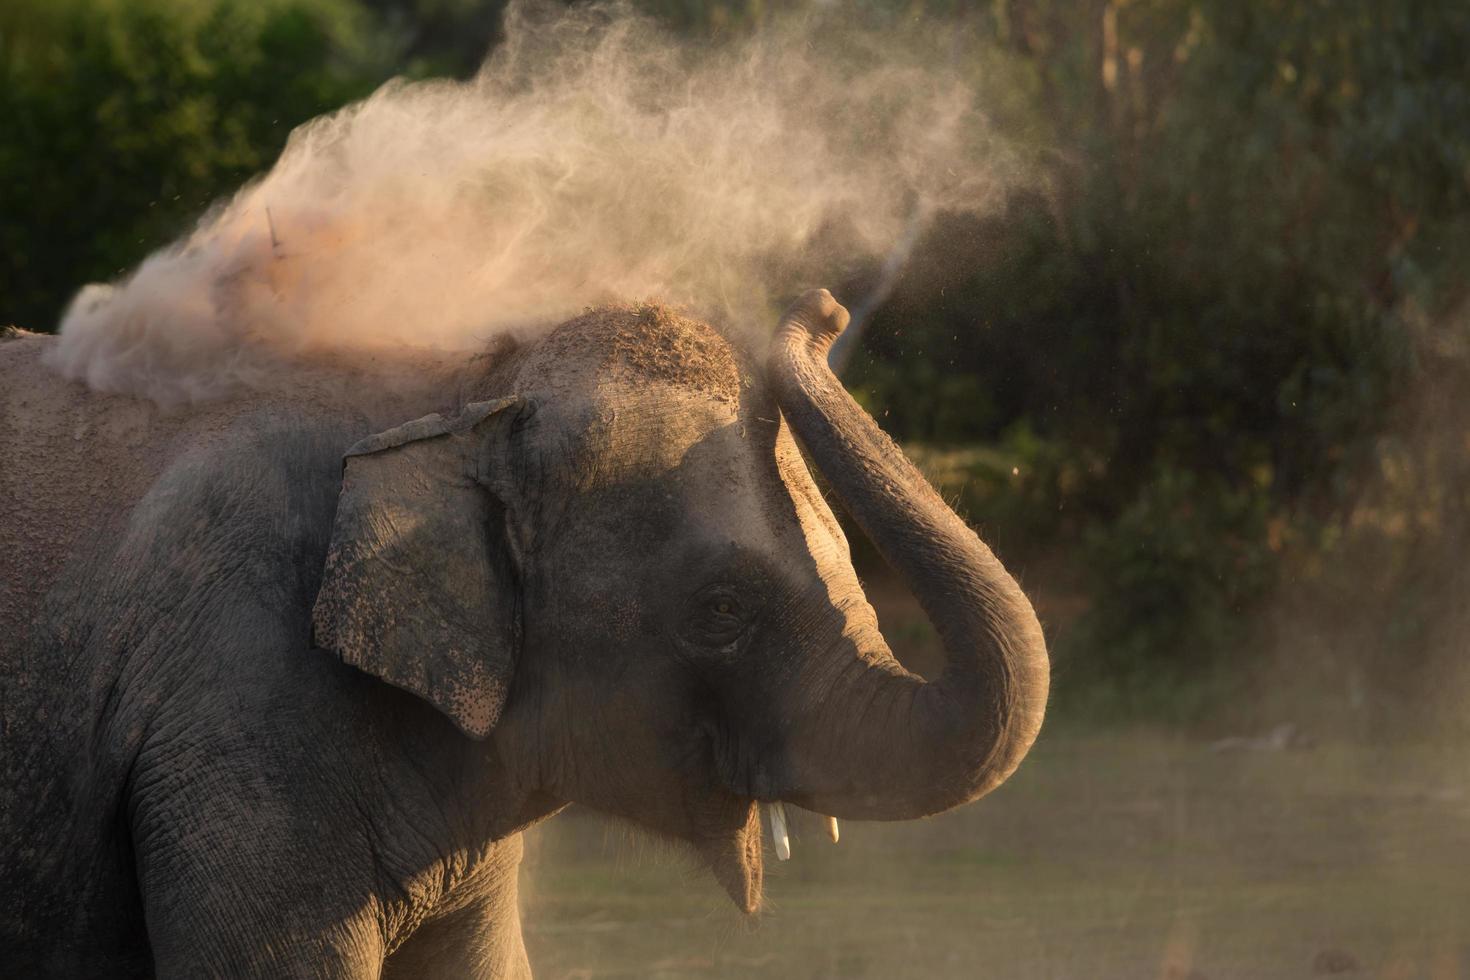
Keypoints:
(285, 676)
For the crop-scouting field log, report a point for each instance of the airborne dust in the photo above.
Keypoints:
(594, 157)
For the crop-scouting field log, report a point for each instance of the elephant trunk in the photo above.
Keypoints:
(891, 745)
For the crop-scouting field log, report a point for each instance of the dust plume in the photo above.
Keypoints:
(594, 157)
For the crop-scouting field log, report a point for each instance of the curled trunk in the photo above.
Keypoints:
(893, 746)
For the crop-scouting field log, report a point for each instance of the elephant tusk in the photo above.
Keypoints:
(832, 831)
(782, 840)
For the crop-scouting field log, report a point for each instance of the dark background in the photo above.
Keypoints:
(1202, 381)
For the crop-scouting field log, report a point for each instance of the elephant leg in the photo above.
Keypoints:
(209, 917)
(479, 939)
(181, 953)
(233, 885)
(478, 942)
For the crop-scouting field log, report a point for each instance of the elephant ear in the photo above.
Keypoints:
(419, 587)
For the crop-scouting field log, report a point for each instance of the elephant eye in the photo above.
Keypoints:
(718, 619)
(723, 607)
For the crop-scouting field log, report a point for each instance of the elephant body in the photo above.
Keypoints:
(182, 773)
(283, 677)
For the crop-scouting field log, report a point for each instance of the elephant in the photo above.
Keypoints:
(283, 676)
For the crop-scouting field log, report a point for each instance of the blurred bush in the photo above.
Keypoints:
(1236, 272)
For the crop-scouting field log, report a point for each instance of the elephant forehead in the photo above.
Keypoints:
(734, 479)
(628, 431)
(657, 458)
(647, 342)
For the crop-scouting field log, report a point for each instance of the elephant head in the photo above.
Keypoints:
(624, 575)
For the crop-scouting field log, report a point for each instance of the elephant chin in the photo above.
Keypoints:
(734, 855)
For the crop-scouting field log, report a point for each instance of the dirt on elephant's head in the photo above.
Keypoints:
(638, 342)
(655, 342)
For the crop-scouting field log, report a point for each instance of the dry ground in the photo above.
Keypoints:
(1112, 855)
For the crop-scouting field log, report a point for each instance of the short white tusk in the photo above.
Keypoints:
(782, 840)
(832, 831)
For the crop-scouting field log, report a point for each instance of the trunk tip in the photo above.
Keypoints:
(817, 313)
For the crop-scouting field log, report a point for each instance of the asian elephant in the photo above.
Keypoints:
(283, 676)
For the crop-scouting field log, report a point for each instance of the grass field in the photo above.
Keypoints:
(1110, 855)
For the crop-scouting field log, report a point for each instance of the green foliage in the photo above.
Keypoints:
(1171, 575)
(1025, 491)
(126, 118)
(1234, 263)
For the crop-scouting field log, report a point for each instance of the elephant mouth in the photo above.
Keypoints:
(732, 849)
(723, 815)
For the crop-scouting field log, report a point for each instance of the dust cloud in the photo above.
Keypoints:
(594, 157)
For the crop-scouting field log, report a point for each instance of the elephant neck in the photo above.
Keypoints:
(441, 806)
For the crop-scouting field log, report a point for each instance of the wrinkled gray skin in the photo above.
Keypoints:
(264, 719)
